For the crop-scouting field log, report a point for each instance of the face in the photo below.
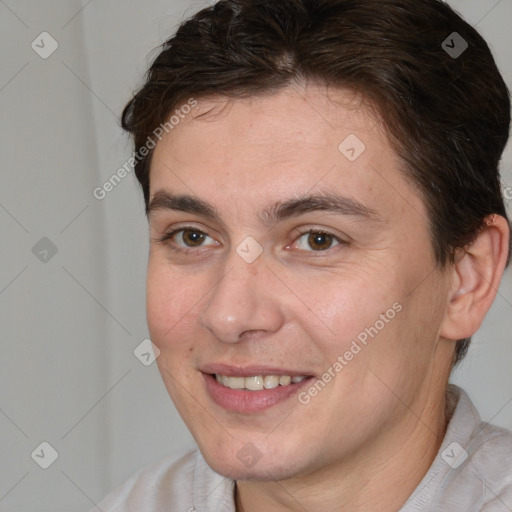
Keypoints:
(292, 289)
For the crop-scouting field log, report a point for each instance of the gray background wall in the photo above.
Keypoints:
(73, 267)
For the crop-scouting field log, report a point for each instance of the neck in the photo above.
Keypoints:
(380, 477)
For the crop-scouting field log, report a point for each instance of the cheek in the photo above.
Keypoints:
(347, 306)
(169, 310)
(171, 303)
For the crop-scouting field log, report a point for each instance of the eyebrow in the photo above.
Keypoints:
(326, 202)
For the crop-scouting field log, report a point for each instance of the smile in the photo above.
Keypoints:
(249, 392)
(257, 382)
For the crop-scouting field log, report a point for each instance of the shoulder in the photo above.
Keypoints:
(178, 482)
(475, 461)
(489, 466)
(486, 452)
(473, 468)
(166, 479)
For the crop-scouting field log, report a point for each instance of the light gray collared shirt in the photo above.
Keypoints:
(472, 472)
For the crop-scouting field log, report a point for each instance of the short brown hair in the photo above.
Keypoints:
(447, 115)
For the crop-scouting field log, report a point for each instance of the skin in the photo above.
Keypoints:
(365, 440)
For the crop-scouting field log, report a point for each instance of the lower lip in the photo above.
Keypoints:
(246, 401)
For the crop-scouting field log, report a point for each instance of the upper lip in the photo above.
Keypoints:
(249, 370)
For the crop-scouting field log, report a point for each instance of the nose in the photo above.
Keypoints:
(243, 302)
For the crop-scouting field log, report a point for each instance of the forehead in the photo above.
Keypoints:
(259, 149)
(289, 124)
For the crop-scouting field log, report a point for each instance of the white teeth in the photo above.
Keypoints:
(271, 381)
(222, 379)
(236, 382)
(257, 382)
(284, 380)
(254, 383)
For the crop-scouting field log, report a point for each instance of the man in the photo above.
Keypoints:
(327, 231)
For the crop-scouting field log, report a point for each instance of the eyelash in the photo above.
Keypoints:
(167, 238)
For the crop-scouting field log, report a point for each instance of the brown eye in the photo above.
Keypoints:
(316, 241)
(320, 241)
(190, 237)
(187, 239)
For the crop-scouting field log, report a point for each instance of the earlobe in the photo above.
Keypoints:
(476, 275)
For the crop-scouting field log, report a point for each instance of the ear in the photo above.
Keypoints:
(476, 274)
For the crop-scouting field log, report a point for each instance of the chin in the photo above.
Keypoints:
(250, 463)
(260, 471)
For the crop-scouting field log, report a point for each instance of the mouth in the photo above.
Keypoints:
(251, 390)
(258, 382)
